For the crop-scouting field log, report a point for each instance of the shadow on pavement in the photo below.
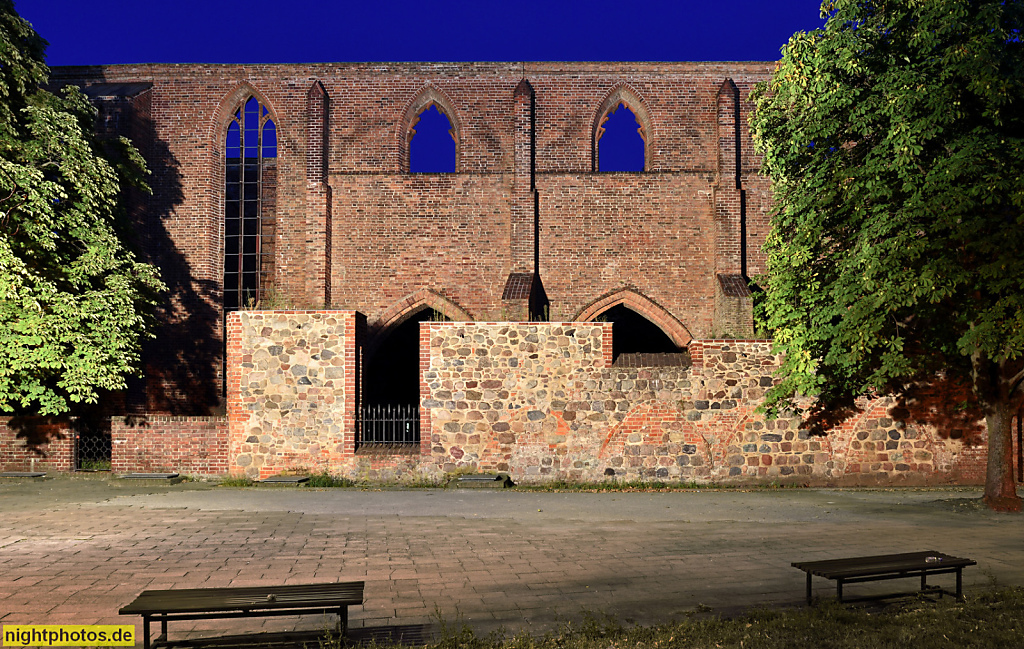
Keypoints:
(406, 634)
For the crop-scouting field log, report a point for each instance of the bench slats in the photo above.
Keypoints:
(881, 564)
(884, 567)
(246, 598)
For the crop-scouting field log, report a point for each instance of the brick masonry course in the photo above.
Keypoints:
(36, 444)
(196, 446)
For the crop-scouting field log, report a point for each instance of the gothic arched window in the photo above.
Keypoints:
(620, 141)
(432, 142)
(250, 178)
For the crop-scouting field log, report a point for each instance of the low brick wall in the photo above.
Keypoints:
(36, 444)
(541, 401)
(164, 444)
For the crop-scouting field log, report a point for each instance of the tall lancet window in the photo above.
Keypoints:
(250, 171)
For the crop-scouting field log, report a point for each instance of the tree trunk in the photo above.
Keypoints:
(998, 385)
(1000, 486)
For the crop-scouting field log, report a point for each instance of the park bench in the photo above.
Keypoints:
(887, 566)
(259, 601)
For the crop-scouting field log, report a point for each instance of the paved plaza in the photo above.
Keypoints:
(74, 549)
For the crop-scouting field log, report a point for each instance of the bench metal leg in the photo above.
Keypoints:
(839, 589)
(808, 589)
(924, 582)
(959, 585)
(145, 632)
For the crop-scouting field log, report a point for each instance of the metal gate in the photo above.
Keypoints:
(394, 424)
(92, 447)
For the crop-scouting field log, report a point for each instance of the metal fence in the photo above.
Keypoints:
(389, 423)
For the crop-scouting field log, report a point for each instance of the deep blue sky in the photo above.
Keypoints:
(88, 32)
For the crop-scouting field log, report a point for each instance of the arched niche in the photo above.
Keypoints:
(653, 312)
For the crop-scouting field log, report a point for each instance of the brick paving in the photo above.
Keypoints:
(75, 550)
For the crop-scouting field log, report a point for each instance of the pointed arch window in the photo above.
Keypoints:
(620, 139)
(249, 203)
(432, 144)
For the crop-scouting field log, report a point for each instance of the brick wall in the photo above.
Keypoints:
(354, 230)
(36, 444)
(167, 444)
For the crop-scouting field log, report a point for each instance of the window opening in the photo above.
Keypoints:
(250, 148)
(620, 141)
(432, 143)
(391, 395)
(638, 342)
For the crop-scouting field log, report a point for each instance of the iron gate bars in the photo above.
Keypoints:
(387, 423)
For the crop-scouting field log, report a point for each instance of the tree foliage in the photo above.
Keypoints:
(73, 299)
(894, 138)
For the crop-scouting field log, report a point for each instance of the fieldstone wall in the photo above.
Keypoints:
(542, 401)
(291, 390)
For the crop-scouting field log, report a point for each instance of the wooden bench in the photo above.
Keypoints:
(206, 603)
(887, 566)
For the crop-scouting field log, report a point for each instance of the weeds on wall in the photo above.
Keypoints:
(274, 300)
(653, 485)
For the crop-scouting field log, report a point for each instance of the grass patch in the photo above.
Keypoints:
(652, 485)
(423, 482)
(325, 480)
(94, 465)
(233, 481)
(990, 620)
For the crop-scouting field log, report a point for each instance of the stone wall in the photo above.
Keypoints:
(157, 444)
(36, 444)
(542, 401)
(291, 390)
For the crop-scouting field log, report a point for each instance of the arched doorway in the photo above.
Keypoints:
(638, 342)
(391, 384)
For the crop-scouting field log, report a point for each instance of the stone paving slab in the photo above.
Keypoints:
(75, 550)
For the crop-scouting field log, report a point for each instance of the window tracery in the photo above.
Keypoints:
(250, 171)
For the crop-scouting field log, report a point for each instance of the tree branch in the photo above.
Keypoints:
(1016, 381)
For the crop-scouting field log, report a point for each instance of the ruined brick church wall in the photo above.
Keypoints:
(354, 230)
(356, 236)
(291, 390)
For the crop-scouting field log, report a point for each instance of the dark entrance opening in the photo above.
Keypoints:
(92, 439)
(636, 341)
(391, 387)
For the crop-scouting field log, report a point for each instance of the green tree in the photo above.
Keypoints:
(73, 299)
(894, 139)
